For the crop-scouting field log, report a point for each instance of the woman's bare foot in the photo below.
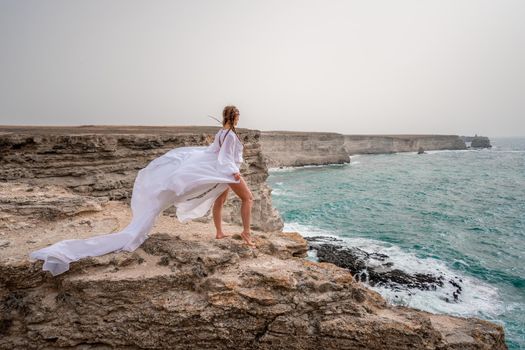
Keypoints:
(220, 235)
(246, 237)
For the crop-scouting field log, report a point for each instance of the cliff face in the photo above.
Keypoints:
(369, 144)
(182, 289)
(104, 161)
(286, 148)
(480, 142)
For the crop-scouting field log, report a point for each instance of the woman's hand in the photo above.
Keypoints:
(237, 176)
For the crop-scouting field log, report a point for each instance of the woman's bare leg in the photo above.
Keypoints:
(241, 189)
(217, 214)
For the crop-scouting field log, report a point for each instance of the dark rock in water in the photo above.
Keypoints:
(480, 142)
(422, 281)
(358, 261)
(476, 141)
(421, 150)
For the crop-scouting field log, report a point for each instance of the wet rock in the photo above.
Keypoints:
(359, 263)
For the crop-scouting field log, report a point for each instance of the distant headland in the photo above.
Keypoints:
(296, 148)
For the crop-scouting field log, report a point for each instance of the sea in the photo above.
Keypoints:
(455, 213)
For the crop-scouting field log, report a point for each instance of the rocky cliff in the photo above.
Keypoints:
(370, 144)
(182, 289)
(288, 148)
(477, 141)
(100, 161)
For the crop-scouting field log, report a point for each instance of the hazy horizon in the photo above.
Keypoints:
(351, 67)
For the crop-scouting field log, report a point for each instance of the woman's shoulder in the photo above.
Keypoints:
(224, 134)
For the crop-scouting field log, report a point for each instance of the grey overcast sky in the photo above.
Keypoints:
(354, 67)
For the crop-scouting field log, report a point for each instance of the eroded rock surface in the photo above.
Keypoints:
(44, 201)
(376, 270)
(181, 293)
(480, 142)
(97, 161)
(182, 289)
(294, 148)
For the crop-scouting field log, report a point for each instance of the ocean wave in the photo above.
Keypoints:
(282, 169)
(277, 192)
(294, 168)
(447, 151)
(507, 151)
(476, 299)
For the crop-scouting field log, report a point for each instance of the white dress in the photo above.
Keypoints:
(190, 178)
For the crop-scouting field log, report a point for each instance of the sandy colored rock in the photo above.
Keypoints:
(294, 148)
(182, 288)
(103, 161)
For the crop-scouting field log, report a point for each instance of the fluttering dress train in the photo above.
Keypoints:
(190, 178)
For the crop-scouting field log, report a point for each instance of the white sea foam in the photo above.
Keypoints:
(403, 153)
(282, 169)
(507, 151)
(476, 298)
(447, 151)
(277, 192)
(323, 165)
(293, 168)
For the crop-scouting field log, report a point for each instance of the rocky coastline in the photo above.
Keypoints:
(375, 269)
(182, 289)
(295, 148)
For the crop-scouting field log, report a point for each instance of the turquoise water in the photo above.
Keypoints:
(455, 213)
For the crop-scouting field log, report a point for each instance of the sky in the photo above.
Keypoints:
(353, 67)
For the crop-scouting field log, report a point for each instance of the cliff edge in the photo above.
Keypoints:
(182, 289)
(103, 161)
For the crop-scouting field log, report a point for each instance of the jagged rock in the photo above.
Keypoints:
(357, 261)
(181, 289)
(202, 294)
(477, 141)
(480, 142)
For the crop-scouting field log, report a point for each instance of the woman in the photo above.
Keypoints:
(190, 178)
